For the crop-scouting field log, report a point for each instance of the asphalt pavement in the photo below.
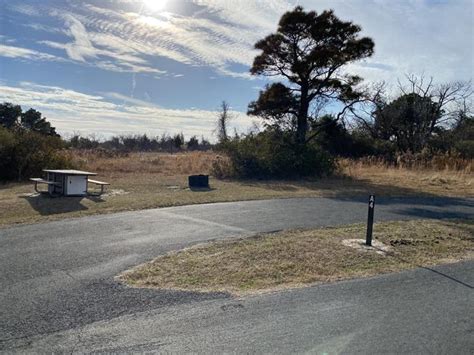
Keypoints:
(58, 290)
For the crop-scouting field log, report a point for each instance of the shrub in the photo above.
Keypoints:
(8, 142)
(222, 167)
(272, 154)
(465, 148)
(24, 154)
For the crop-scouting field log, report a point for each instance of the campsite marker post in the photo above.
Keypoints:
(370, 220)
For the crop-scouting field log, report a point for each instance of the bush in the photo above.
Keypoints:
(8, 142)
(24, 154)
(465, 148)
(272, 154)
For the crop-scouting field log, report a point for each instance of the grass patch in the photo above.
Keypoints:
(151, 180)
(300, 257)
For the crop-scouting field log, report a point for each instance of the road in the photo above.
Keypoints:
(58, 289)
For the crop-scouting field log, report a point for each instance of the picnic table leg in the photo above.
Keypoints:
(102, 187)
(36, 187)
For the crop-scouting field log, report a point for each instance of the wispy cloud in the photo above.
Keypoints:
(218, 37)
(19, 52)
(40, 27)
(129, 100)
(25, 9)
(82, 49)
(71, 111)
(188, 40)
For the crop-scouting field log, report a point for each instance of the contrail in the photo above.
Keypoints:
(134, 75)
(134, 85)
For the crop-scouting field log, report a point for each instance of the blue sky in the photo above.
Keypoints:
(154, 66)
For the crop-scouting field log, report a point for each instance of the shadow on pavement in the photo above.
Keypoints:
(392, 255)
(447, 276)
(431, 214)
(343, 188)
(98, 300)
(422, 199)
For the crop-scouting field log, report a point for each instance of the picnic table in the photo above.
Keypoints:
(68, 182)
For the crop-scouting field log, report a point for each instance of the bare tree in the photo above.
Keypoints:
(447, 96)
(420, 109)
(375, 99)
(222, 123)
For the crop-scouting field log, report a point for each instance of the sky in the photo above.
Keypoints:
(108, 67)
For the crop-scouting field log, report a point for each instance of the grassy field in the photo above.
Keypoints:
(149, 180)
(296, 258)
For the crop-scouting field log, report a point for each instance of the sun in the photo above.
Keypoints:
(155, 5)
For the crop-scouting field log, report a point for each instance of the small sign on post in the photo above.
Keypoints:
(370, 221)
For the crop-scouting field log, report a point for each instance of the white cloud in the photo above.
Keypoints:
(24, 9)
(128, 99)
(40, 27)
(19, 52)
(82, 49)
(193, 40)
(72, 111)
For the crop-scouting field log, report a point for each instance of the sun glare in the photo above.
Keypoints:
(155, 5)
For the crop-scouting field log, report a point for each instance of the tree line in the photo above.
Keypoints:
(140, 143)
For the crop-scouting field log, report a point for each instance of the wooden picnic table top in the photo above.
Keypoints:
(45, 181)
(98, 182)
(69, 172)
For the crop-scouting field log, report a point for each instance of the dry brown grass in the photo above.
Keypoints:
(145, 162)
(422, 161)
(150, 180)
(296, 258)
(455, 180)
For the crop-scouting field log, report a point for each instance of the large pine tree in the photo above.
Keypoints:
(307, 51)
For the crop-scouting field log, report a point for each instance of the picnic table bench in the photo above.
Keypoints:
(68, 182)
(101, 183)
(43, 181)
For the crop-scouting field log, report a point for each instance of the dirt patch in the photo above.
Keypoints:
(359, 244)
(115, 192)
